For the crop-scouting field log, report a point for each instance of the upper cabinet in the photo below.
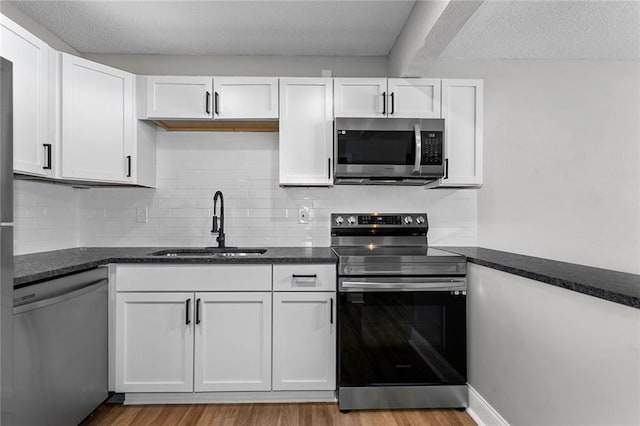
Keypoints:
(382, 97)
(245, 98)
(463, 119)
(179, 97)
(101, 139)
(97, 121)
(32, 148)
(306, 131)
(205, 98)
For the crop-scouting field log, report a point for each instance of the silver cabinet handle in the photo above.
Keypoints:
(416, 165)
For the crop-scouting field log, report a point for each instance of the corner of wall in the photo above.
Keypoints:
(16, 15)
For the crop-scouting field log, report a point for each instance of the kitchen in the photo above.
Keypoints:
(543, 194)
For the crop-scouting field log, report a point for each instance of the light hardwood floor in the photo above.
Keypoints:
(308, 414)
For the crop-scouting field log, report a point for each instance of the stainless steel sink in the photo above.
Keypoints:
(210, 252)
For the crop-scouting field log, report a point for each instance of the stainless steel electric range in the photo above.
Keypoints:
(401, 314)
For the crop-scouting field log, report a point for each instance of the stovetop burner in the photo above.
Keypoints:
(389, 243)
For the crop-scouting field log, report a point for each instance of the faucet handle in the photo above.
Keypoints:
(214, 227)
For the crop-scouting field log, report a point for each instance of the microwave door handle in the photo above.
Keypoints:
(416, 166)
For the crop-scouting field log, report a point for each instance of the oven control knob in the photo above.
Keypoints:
(351, 220)
(420, 220)
(408, 220)
(339, 220)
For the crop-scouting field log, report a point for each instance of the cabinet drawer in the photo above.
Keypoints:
(304, 277)
(193, 278)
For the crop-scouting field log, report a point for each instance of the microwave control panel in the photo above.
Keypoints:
(431, 148)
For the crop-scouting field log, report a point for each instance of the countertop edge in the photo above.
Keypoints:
(93, 261)
(599, 291)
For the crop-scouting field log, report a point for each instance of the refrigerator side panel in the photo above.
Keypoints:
(6, 141)
(6, 325)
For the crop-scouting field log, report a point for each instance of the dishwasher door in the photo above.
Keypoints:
(60, 349)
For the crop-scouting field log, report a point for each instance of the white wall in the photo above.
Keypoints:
(192, 166)
(45, 217)
(561, 158)
(544, 355)
(279, 66)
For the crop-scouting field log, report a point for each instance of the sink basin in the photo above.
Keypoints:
(210, 252)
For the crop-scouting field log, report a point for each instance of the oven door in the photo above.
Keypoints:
(402, 332)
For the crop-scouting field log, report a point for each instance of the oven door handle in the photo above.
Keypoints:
(441, 285)
(416, 165)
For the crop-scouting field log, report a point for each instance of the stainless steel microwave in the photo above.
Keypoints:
(388, 151)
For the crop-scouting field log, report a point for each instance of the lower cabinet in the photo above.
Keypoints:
(236, 328)
(232, 342)
(154, 344)
(304, 341)
(185, 342)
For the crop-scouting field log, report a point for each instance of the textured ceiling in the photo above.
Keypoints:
(302, 27)
(550, 30)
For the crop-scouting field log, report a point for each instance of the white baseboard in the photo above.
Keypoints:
(482, 412)
(229, 397)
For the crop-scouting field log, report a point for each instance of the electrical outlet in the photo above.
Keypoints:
(142, 214)
(303, 215)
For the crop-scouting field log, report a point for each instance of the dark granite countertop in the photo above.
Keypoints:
(614, 286)
(35, 267)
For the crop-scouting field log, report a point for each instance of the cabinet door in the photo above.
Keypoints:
(97, 121)
(361, 97)
(179, 97)
(29, 56)
(245, 97)
(414, 98)
(463, 116)
(304, 341)
(154, 342)
(306, 131)
(233, 342)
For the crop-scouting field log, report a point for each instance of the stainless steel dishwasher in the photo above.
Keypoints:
(60, 349)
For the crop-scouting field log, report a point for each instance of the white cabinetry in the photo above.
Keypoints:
(414, 97)
(155, 343)
(306, 131)
(462, 112)
(220, 328)
(232, 342)
(97, 121)
(205, 98)
(179, 97)
(393, 97)
(304, 329)
(245, 98)
(30, 56)
(360, 97)
(100, 138)
(170, 340)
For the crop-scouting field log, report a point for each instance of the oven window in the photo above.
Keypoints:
(376, 147)
(402, 338)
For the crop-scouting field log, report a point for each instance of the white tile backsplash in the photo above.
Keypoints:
(244, 166)
(45, 216)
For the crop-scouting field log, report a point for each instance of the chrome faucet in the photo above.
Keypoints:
(215, 228)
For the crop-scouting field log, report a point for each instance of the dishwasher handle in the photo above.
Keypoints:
(60, 297)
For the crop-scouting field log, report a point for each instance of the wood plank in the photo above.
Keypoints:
(311, 414)
(218, 126)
